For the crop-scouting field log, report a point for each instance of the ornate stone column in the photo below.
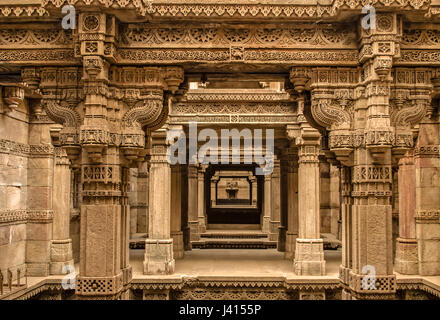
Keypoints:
(201, 214)
(406, 260)
(142, 190)
(284, 203)
(325, 194)
(184, 208)
(347, 231)
(275, 194)
(292, 203)
(61, 245)
(176, 211)
(193, 217)
(159, 257)
(427, 165)
(267, 206)
(309, 252)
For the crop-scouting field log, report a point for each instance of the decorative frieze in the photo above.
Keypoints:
(25, 215)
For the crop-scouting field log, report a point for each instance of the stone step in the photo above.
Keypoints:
(234, 235)
(234, 243)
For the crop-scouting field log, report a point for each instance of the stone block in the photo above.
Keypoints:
(12, 254)
(37, 251)
(18, 232)
(39, 231)
(39, 197)
(13, 197)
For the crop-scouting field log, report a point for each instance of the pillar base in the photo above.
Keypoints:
(186, 239)
(194, 233)
(377, 287)
(202, 225)
(60, 256)
(282, 234)
(274, 230)
(266, 225)
(290, 245)
(406, 256)
(158, 256)
(177, 244)
(99, 287)
(309, 257)
(428, 244)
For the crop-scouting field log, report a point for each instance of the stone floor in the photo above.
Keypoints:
(235, 262)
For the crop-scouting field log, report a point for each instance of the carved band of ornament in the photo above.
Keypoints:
(40, 215)
(376, 194)
(91, 195)
(428, 151)
(23, 11)
(98, 285)
(222, 98)
(422, 56)
(19, 215)
(59, 55)
(220, 108)
(167, 35)
(382, 284)
(171, 55)
(283, 119)
(356, 140)
(233, 294)
(372, 174)
(101, 174)
(25, 150)
(428, 216)
(94, 136)
(35, 36)
(420, 37)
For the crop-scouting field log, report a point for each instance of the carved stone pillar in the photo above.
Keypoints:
(184, 208)
(325, 194)
(61, 245)
(176, 213)
(267, 206)
(193, 218)
(292, 205)
(347, 231)
(142, 187)
(39, 202)
(427, 166)
(159, 257)
(309, 252)
(406, 260)
(284, 204)
(275, 191)
(201, 214)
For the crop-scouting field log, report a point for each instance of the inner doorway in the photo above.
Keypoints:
(234, 194)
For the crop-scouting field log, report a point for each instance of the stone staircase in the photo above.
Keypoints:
(234, 239)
